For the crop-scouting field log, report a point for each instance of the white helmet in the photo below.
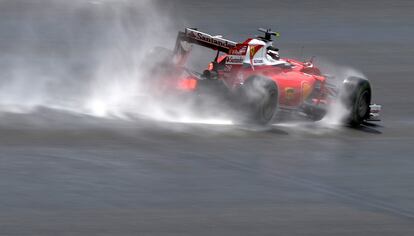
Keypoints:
(273, 52)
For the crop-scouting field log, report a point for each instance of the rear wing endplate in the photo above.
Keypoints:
(194, 36)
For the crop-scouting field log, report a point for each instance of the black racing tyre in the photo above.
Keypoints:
(356, 97)
(259, 100)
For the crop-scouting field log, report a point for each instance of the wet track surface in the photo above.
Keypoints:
(69, 174)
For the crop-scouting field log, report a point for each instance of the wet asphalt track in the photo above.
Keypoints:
(64, 174)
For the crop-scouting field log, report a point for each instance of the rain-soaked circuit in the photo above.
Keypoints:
(65, 169)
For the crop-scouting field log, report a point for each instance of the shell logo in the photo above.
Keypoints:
(289, 93)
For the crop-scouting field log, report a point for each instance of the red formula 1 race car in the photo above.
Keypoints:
(255, 83)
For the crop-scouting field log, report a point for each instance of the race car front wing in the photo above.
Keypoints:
(374, 114)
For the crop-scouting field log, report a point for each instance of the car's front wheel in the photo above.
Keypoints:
(356, 97)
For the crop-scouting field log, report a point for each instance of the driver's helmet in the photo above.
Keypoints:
(273, 52)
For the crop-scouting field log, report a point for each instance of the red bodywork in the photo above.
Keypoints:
(296, 81)
(238, 71)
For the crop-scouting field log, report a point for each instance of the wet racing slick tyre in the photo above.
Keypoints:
(259, 100)
(356, 97)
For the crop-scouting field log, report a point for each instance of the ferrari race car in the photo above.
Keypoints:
(255, 82)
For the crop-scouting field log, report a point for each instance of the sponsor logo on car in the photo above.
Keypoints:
(289, 93)
(253, 50)
(227, 68)
(239, 50)
(257, 61)
(210, 39)
(234, 59)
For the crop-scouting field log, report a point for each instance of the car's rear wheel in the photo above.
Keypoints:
(260, 100)
(356, 97)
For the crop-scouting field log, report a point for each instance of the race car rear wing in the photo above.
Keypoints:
(193, 36)
(190, 36)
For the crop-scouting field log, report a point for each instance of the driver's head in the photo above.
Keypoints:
(273, 52)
